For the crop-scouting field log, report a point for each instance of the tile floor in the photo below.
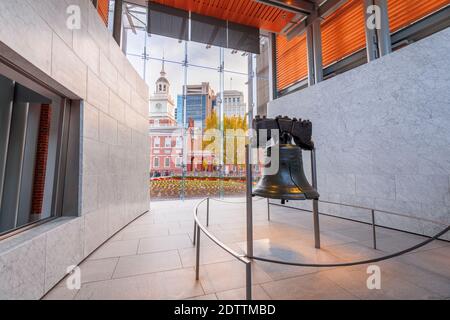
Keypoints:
(153, 258)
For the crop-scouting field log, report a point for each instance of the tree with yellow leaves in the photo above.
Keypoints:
(235, 132)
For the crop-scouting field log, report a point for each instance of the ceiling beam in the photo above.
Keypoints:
(297, 6)
(322, 12)
(329, 7)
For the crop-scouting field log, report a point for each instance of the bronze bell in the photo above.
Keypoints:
(290, 182)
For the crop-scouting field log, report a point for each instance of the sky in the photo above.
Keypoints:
(173, 52)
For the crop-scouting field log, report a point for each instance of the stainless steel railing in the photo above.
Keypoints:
(246, 259)
(372, 212)
(198, 228)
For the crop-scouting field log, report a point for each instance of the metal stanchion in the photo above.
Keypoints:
(197, 257)
(249, 202)
(248, 281)
(315, 202)
(374, 233)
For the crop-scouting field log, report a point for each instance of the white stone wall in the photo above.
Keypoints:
(383, 135)
(81, 64)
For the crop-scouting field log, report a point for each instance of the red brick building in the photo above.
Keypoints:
(166, 137)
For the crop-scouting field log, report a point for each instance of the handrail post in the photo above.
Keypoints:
(197, 257)
(268, 209)
(248, 281)
(315, 201)
(249, 202)
(207, 212)
(374, 234)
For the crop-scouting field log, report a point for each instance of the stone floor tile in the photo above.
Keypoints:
(60, 292)
(258, 293)
(176, 284)
(354, 280)
(208, 255)
(307, 287)
(153, 258)
(97, 270)
(113, 249)
(166, 243)
(144, 231)
(147, 263)
(229, 275)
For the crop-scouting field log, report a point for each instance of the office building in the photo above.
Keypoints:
(199, 104)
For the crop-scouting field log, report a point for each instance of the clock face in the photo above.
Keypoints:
(158, 106)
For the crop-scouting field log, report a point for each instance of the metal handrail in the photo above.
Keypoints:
(199, 227)
(214, 239)
(246, 258)
(382, 211)
(236, 202)
(240, 257)
(347, 264)
(372, 212)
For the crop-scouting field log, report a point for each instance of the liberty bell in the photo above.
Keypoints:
(289, 182)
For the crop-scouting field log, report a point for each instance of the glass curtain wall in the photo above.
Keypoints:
(198, 112)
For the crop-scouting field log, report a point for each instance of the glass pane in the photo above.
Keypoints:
(236, 61)
(235, 126)
(166, 81)
(211, 78)
(203, 166)
(172, 50)
(200, 54)
(29, 139)
(235, 96)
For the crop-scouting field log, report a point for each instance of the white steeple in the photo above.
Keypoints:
(162, 84)
(161, 103)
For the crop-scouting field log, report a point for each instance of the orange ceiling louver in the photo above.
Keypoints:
(343, 32)
(405, 12)
(246, 12)
(292, 61)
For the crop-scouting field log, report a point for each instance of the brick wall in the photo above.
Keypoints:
(41, 159)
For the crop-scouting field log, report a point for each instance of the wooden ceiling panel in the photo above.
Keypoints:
(247, 12)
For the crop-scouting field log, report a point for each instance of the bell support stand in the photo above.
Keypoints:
(315, 201)
(283, 185)
(249, 202)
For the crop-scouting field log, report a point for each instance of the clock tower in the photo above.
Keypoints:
(162, 107)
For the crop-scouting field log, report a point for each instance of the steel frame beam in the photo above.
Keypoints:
(272, 67)
(371, 34)
(320, 13)
(310, 51)
(384, 34)
(378, 41)
(314, 47)
(117, 23)
(318, 61)
(296, 6)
